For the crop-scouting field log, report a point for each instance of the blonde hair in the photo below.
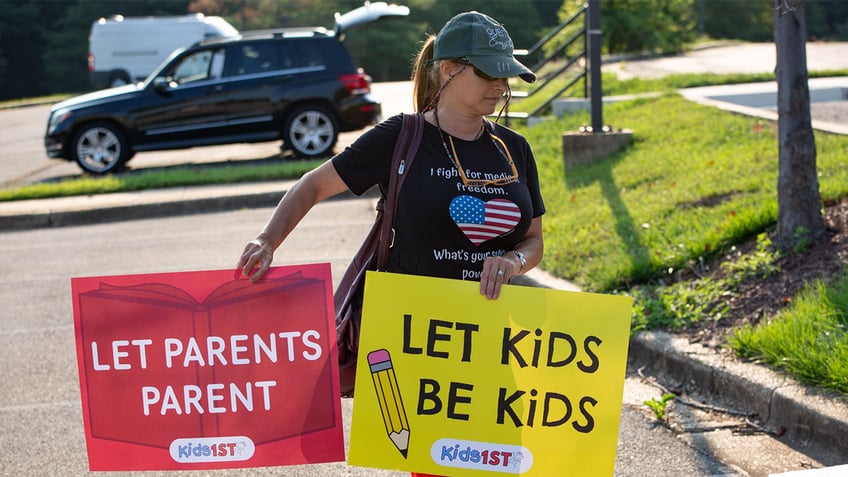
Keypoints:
(425, 77)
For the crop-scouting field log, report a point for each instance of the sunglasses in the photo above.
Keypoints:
(480, 74)
(503, 151)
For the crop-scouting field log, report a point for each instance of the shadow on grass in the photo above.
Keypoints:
(627, 229)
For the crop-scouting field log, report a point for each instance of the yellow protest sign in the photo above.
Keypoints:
(451, 383)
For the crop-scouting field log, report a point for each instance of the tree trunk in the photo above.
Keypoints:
(799, 215)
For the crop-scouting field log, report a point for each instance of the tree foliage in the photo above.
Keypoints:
(752, 20)
(647, 25)
(640, 26)
(44, 45)
(21, 40)
(668, 26)
(827, 19)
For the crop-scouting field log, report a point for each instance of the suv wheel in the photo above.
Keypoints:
(100, 148)
(311, 131)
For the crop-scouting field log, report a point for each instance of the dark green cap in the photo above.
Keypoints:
(484, 42)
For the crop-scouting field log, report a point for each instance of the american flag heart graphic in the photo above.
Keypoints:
(481, 221)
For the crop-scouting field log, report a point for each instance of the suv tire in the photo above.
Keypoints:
(100, 148)
(310, 131)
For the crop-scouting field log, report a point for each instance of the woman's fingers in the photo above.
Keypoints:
(496, 271)
(255, 260)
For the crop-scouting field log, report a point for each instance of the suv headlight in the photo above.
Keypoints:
(57, 118)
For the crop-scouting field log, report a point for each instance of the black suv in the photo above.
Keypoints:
(299, 85)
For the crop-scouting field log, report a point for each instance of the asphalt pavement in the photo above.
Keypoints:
(800, 415)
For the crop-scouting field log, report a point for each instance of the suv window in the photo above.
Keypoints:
(302, 54)
(205, 64)
(254, 58)
(193, 68)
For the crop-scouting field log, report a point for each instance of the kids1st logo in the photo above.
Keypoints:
(212, 449)
(493, 457)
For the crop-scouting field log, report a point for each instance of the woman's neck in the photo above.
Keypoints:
(466, 127)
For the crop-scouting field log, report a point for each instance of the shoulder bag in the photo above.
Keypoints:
(373, 254)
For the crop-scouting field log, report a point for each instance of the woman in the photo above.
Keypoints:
(459, 79)
(470, 207)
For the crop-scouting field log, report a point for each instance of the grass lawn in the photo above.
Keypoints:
(173, 177)
(695, 181)
(809, 340)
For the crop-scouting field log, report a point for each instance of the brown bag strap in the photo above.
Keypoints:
(405, 150)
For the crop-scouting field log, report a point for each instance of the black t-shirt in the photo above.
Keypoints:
(443, 228)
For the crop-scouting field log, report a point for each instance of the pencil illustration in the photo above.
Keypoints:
(388, 395)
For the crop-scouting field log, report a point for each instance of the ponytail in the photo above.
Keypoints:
(425, 78)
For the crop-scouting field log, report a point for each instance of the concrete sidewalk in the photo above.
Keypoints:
(828, 101)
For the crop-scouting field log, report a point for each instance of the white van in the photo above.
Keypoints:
(124, 50)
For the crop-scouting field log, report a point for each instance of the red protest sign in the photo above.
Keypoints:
(201, 370)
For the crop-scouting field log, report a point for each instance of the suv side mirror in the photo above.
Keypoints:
(161, 84)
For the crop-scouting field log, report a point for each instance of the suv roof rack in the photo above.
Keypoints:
(309, 31)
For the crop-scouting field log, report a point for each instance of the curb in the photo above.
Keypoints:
(114, 207)
(785, 408)
(116, 213)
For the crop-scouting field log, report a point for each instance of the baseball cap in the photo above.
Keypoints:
(484, 42)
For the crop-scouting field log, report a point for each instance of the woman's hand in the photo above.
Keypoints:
(313, 187)
(499, 270)
(256, 259)
(496, 272)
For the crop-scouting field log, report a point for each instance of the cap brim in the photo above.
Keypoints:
(502, 67)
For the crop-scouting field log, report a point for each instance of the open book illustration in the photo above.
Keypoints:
(245, 360)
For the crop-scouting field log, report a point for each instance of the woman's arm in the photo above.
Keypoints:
(532, 247)
(313, 187)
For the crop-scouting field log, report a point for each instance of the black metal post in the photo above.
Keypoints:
(593, 34)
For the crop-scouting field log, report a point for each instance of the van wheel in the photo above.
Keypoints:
(100, 148)
(118, 78)
(310, 131)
